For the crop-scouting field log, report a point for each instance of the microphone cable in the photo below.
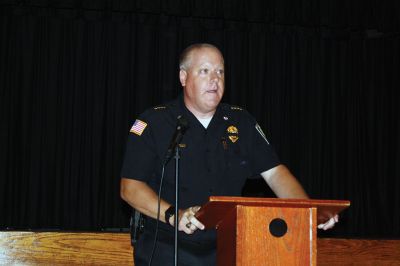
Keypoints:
(180, 130)
(158, 215)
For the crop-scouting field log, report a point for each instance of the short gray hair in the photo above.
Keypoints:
(184, 58)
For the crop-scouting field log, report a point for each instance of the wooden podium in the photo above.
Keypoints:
(264, 231)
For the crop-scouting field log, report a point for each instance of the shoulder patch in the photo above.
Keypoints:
(236, 108)
(159, 107)
(138, 127)
(261, 133)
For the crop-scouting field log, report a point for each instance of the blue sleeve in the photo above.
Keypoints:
(263, 154)
(140, 155)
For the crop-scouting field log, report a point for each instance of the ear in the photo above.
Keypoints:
(182, 77)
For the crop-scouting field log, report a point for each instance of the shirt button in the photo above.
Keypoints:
(207, 150)
(209, 170)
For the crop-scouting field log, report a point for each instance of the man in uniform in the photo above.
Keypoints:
(222, 147)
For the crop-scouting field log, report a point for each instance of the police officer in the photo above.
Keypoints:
(222, 146)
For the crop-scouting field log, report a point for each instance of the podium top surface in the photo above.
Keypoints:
(217, 207)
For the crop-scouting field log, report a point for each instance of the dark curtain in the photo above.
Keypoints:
(321, 79)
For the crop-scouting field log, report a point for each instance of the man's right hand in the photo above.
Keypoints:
(188, 222)
(141, 197)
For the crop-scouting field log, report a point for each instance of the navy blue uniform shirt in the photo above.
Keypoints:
(214, 161)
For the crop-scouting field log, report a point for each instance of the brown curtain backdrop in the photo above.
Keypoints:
(320, 77)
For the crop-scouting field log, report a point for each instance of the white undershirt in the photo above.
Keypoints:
(205, 121)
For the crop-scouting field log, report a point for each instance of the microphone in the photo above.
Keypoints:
(181, 127)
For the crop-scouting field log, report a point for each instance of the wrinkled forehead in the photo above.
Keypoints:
(206, 55)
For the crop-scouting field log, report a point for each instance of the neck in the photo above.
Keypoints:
(200, 114)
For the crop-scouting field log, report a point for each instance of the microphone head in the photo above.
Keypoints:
(182, 124)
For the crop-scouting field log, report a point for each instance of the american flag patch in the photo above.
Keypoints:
(138, 127)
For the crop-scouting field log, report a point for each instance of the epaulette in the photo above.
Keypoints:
(236, 108)
(161, 107)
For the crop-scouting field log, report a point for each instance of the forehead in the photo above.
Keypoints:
(206, 55)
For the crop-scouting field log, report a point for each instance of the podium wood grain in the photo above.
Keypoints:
(53, 248)
(243, 235)
(362, 252)
(259, 247)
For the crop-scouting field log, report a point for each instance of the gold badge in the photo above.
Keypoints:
(232, 130)
(233, 138)
(233, 133)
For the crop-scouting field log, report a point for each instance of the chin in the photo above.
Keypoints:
(213, 98)
(211, 106)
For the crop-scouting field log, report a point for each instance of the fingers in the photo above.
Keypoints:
(336, 217)
(329, 224)
(196, 223)
(188, 222)
(185, 225)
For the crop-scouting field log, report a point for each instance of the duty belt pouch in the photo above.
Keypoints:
(136, 226)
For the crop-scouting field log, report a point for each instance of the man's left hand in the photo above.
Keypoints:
(330, 223)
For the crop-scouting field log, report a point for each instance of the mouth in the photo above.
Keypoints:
(212, 89)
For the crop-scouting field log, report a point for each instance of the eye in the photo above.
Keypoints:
(220, 72)
(204, 71)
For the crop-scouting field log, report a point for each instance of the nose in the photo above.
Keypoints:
(214, 76)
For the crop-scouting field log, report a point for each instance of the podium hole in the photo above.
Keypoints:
(278, 227)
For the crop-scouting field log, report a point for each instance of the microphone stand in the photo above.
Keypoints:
(177, 157)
